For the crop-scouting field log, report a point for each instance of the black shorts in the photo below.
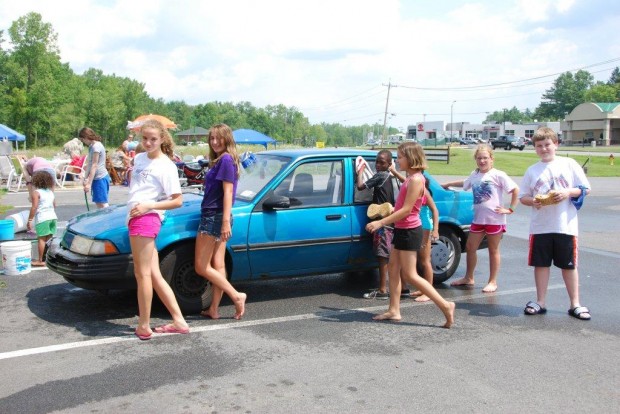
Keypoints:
(557, 247)
(408, 239)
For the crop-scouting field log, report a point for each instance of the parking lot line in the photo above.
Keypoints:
(243, 324)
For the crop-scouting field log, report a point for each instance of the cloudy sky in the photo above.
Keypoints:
(334, 59)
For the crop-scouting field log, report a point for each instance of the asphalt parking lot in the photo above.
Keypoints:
(310, 343)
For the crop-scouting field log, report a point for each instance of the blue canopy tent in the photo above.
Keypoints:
(249, 136)
(8, 134)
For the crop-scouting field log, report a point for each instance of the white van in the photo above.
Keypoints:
(396, 138)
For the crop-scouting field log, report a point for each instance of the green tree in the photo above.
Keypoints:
(34, 57)
(567, 92)
(614, 79)
(513, 115)
(602, 92)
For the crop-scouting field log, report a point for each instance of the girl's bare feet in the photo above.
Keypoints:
(240, 305)
(490, 288)
(388, 316)
(449, 314)
(416, 293)
(422, 298)
(208, 313)
(37, 263)
(464, 281)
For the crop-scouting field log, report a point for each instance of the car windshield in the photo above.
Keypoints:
(255, 176)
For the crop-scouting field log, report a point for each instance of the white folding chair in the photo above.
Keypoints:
(6, 170)
(16, 175)
(74, 171)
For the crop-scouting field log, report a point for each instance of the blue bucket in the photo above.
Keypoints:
(7, 230)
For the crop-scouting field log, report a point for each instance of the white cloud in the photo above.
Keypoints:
(332, 58)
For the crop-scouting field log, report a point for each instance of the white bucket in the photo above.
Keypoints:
(16, 257)
(20, 219)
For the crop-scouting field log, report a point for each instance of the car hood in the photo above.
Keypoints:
(111, 223)
(106, 223)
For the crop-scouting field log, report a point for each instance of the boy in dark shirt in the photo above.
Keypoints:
(382, 193)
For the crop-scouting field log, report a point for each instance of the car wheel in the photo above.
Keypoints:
(508, 147)
(193, 292)
(445, 255)
(521, 149)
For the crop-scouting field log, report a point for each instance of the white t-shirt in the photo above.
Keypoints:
(542, 177)
(488, 189)
(153, 180)
(45, 209)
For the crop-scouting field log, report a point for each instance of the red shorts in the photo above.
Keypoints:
(488, 228)
(146, 225)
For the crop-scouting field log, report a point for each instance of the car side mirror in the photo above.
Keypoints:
(275, 202)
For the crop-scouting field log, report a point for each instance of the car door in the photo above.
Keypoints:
(313, 235)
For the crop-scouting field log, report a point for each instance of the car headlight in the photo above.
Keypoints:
(91, 247)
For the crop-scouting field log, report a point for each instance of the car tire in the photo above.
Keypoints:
(521, 149)
(508, 147)
(193, 292)
(445, 254)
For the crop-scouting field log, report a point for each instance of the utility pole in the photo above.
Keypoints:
(451, 114)
(387, 101)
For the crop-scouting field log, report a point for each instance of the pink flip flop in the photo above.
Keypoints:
(144, 337)
(171, 329)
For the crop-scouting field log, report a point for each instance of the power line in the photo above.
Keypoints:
(478, 87)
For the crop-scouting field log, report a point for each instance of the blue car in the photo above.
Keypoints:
(296, 212)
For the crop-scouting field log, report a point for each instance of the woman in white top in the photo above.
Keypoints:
(154, 187)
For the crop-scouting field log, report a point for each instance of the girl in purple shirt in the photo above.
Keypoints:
(215, 226)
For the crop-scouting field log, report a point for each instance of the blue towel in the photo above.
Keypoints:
(578, 201)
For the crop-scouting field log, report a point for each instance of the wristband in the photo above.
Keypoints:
(511, 210)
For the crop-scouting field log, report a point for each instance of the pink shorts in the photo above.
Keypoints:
(146, 225)
(488, 228)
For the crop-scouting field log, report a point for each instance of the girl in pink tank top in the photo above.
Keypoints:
(408, 236)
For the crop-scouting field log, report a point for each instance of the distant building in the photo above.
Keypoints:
(456, 130)
(590, 122)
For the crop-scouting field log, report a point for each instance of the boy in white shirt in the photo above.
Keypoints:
(554, 187)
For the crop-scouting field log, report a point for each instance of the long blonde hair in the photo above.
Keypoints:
(167, 144)
(224, 132)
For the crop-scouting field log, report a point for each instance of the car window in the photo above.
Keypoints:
(258, 174)
(365, 195)
(313, 184)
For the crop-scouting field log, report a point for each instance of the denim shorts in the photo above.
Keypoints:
(211, 223)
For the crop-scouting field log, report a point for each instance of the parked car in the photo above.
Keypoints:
(508, 142)
(467, 141)
(296, 212)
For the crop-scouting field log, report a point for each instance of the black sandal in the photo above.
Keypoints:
(533, 308)
(578, 312)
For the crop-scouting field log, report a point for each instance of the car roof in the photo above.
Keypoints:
(342, 152)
